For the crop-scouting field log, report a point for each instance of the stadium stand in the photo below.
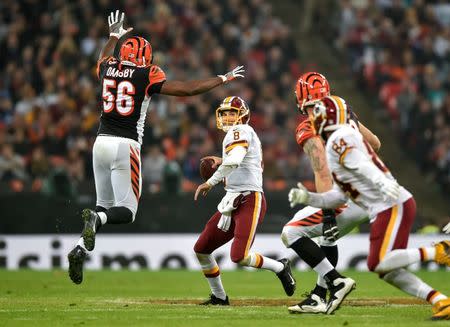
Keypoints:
(400, 52)
(49, 92)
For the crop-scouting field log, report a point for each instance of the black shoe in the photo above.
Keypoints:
(286, 277)
(213, 300)
(91, 223)
(313, 303)
(339, 289)
(76, 259)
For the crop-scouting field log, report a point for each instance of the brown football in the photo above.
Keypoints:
(206, 169)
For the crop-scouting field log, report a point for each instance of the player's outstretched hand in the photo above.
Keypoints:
(446, 229)
(298, 195)
(203, 189)
(217, 161)
(237, 72)
(115, 22)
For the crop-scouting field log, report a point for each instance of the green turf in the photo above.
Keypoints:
(143, 298)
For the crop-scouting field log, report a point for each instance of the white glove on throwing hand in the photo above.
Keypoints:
(298, 195)
(235, 73)
(224, 222)
(116, 25)
(389, 189)
(446, 229)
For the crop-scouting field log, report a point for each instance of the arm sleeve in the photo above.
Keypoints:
(327, 200)
(230, 163)
(156, 78)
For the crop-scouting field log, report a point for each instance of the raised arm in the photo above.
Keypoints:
(189, 88)
(116, 31)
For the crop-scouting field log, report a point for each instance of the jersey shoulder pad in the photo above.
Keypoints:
(101, 63)
(304, 132)
(156, 75)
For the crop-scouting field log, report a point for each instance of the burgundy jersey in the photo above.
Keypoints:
(126, 94)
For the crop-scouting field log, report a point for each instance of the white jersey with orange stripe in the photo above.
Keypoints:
(355, 168)
(248, 175)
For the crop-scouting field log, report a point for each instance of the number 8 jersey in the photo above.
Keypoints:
(126, 94)
(248, 175)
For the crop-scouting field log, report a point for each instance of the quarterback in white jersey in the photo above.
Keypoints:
(361, 176)
(242, 208)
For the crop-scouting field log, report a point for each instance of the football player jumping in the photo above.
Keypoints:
(313, 222)
(127, 83)
(361, 176)
(242, 208)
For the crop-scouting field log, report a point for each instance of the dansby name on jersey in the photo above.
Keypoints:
(125, 73)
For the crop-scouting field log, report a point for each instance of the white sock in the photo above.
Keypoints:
(413, 285)
(103, 217)
(321, 282)
(81, 243)
(323, 267)
(256, 260)
(399, 258)
(212, 274)
(427, 254)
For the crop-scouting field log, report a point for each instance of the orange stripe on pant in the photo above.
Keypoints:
(135, 172)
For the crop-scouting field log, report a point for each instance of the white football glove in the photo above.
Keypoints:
(224, 223)
(446, 229)
(116, 25)
(235, 73)
(389, 188)
(298, 195)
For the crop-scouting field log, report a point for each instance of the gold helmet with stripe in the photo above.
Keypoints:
(235, 104)
(330, 113)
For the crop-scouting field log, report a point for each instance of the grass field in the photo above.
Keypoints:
(168, 298)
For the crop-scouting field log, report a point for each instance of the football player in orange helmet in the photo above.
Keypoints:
(311, 222)
(127, 83)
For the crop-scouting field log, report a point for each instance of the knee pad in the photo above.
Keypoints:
(288, 237)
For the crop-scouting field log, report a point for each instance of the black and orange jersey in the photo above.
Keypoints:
(305, 130)
(126, 94)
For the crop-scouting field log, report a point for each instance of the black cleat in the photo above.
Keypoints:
(313, 303)
(76, 259)
(339, 289)
(213, 300)
(91, 223)
(286, 277)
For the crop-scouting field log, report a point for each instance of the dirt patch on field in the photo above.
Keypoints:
(288, 302)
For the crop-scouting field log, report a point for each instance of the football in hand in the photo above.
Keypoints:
(206, 169)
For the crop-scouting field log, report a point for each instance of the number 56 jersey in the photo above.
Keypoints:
(126, 93)
(248, 175)
(347, 152)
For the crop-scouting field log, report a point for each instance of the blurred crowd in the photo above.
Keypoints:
(49, 94)
(400, 51)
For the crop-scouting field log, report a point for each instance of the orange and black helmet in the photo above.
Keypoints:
(310, 88)
(137, 50)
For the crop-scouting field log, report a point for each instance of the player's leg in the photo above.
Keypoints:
(209, 240)
(388, 254)
(297, 234)
(102, 155)
(247, 216)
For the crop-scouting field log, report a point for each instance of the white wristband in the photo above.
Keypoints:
(223, 77)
